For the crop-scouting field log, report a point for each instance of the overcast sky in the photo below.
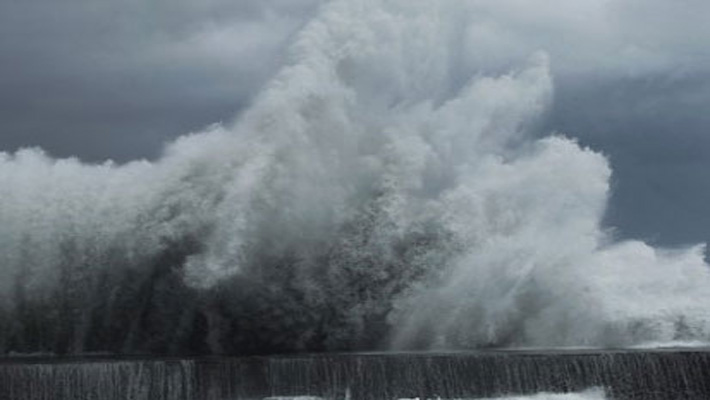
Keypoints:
(117, 79)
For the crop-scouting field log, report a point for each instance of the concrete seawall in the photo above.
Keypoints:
(647, 375)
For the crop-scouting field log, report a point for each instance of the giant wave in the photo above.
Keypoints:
(383, 191)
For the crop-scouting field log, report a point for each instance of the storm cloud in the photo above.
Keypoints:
(116, 80)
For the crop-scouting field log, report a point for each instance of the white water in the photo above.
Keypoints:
(592, 394)
(380, 173)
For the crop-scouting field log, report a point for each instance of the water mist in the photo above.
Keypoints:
(383, 191)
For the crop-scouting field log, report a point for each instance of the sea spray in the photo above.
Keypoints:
(381, 191)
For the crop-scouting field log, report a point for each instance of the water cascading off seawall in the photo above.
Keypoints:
(647, 375)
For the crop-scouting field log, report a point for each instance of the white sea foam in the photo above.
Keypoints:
(592, 394)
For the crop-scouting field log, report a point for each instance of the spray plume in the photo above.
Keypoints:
(381, 192)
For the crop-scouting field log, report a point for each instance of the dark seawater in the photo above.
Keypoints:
(623, 374)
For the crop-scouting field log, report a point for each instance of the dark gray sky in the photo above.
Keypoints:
(117, 79)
